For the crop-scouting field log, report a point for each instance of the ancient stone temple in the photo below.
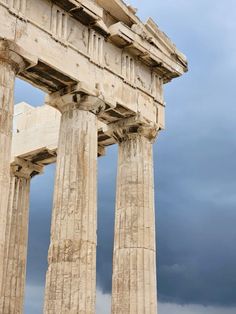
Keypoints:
(103, 71)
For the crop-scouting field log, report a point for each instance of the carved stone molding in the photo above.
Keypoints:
(101, 151)
(133, 127)
(25, 169)
(157, 87)
(59, 25)
(15, 56)
(11, 57)
(77, 97)
(18, 8)
(96, 48)
(128, 68)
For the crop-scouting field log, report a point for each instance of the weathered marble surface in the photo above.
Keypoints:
(134, 258)
(71, 276)
(10, 64)
(16, 237)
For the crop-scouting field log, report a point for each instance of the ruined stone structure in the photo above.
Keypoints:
(104, 71)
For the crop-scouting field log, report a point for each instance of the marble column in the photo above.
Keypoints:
(10, 64)
(16, 237)
(71, 275)
(134, 288)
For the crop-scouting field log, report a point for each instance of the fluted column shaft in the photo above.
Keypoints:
(71, 276)
(10, 64)
(16, 238)
(134, 258)
(17, 235)
(7, 78)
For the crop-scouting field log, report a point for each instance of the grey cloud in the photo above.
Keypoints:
(39, 226)
(195, 164)
(34, 299)
(103, 305)
(167, 308)
(106, 206)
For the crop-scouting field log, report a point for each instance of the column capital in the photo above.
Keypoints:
(79, 96)
(101, 151)
(132, 127)
(14, 55)
(25, 169)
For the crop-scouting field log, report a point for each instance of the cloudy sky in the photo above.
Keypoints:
(195, 172)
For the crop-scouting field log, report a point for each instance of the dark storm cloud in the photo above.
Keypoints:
(39, 227)
(195, 167)
(106, 205)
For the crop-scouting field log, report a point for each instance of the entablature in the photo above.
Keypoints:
(129, 73)
(87, 57)
(147, 42)
(61, 19)
(146, 49)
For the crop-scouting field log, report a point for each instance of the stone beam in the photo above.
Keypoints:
(35, 135)
(36, 131)
(130, 65)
